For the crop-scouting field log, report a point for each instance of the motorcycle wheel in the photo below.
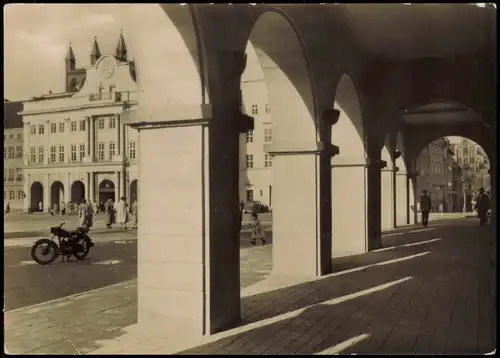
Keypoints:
(49, 250)
(84, 243)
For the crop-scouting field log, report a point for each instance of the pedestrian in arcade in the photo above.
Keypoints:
(425, 207)
(482, 206)
(257, 230)
(121, 212)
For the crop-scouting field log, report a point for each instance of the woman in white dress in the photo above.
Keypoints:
(121, 212)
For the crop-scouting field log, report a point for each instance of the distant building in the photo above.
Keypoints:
(255, 164)
(474, 163)
(75, 144)
(13, 178)
(435, 173)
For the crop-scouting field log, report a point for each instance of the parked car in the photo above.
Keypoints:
(255, 207)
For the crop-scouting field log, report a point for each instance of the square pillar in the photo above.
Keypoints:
(118, 187)
(46, 193)
(297, 235)
(67, 188)
(91, 190)
(387, 198)
(92, 138)
(121, 183)
(350, 207)
(188, 258)
(402, 203)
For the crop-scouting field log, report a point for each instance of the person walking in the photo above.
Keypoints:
(257, 230)
(121, 213)
(425, 207)
(63, 208)
(482, 206)
(134, 212)
(109, 211)
(82, 210)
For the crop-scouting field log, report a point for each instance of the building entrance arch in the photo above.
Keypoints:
(56, 195)
(106, 191)
(36, 196)
(77, 191)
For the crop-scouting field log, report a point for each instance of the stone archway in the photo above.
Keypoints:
(56, 194)
(36, 197)
(349, 174)
(77, 191)
(292, 111)
(133, 191)
(106, 191)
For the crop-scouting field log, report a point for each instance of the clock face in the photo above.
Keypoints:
(107, 67)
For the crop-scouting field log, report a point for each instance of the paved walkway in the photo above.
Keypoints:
(427, 291)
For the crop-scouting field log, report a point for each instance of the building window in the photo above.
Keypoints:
(19, 151)
(101, 151)
(33, 129)
(61, 154)
(82, 125)
(112, 149)
(10, 152)
(53, 127)
(61, 127)
(73, 126)
(112, 123)
(268, 161)
(101, 123)
(19, 174)
(32, 155)
(255, 109)
(131, 150)
(268, 134)
(41, 129)
(82, 151)
(53, 151)
(249, 136)
(20, 195)
(268, 110)
(249, 161)
(41, 152)
(10, 176)
(12, 195)
(73, 153)
(19, 137)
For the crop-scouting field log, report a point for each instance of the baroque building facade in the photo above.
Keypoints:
(13, 177)
(75, 144)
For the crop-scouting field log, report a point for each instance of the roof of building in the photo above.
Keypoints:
(11, 118)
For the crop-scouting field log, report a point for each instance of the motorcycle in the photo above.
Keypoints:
(75, 243)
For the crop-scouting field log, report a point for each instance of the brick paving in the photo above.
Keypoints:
(432, 296)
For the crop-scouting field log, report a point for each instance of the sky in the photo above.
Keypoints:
(36, 38)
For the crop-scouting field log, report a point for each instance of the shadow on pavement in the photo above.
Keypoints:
(417, 304)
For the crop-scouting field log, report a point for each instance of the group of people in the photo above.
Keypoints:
(118, 212)
(483, 205)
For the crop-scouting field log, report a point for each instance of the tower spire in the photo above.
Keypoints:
(96, 53)
(121, 48)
